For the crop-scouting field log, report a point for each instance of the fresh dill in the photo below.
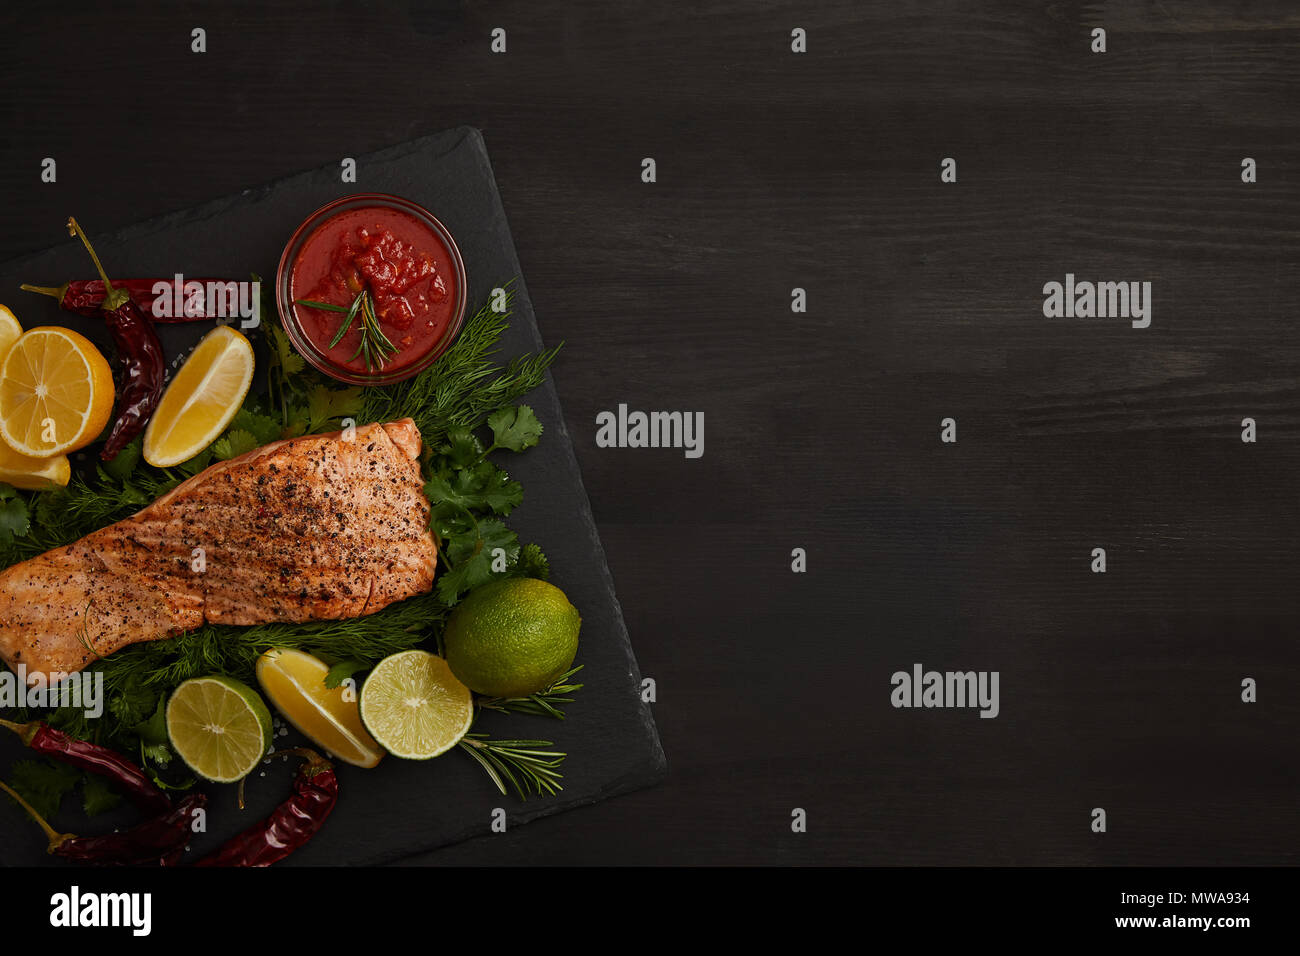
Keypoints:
(465, 386)
(465, 390)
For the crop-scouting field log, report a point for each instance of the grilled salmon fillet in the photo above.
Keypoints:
(305, 529)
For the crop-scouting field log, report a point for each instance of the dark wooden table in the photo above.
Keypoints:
(821, 170)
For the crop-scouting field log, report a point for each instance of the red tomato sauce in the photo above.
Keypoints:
(401, 262)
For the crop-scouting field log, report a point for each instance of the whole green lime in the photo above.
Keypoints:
(512, 637)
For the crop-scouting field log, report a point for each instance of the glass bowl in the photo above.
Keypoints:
(289, 311)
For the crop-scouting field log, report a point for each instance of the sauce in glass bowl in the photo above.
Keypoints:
(398, 255)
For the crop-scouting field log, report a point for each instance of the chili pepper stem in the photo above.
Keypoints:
(113, 299)
(56, 838)
(25, 731)
(315, 762)
(54, 292)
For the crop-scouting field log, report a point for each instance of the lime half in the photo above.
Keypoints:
(414, 706)
(220, 727)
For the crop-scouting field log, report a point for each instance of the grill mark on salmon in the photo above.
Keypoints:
(306, 529)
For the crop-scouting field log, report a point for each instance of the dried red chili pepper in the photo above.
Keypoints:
(140, 353)
(294, 822)
(85, 296)
(159, 841)
(44, 739)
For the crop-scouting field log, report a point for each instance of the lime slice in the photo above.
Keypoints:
(220, 727)
(414, 706)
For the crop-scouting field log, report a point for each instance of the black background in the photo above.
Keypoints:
(821, 171)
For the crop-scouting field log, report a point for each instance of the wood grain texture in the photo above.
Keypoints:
(822, 171)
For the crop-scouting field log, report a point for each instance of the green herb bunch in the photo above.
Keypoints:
(456, 403)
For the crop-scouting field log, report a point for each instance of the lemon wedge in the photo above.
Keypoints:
(33, 474)
(56, 393)
(295, 683)
(202, 399)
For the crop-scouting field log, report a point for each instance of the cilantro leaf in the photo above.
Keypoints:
(439, 491)
(160, 754)
(465, 576)
(197, 463)
(161, 782)
(153, 732)
(131, 495)
(43, 784)
(485, 486)
(291, 363)
(262, 427)
(470, 557)
(342, 671)
(449, 520)
(97, 796)
(50, 505)
(233, 444)
(132, 703)
(462, 448)
(532, 563)
(14, 521)
(493, 488)
(325, 405)
(123, 464)
(515, 428)
(494, 534)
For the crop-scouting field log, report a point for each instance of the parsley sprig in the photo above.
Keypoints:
(466, 492)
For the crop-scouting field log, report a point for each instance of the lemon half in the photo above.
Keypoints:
(56, 393)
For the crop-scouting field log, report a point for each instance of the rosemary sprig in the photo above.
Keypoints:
(328, 306)
(544, 703)
(347, 323)
(375, 346)
(528, 770)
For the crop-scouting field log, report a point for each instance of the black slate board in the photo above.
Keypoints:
(401, 807)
